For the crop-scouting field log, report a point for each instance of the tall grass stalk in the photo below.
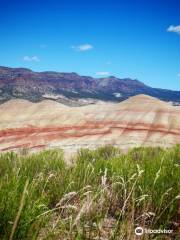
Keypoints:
(104, 194)
(22, 202)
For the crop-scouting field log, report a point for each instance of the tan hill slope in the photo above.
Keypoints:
(140, 120)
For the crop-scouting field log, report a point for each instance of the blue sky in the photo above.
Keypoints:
(139, 39)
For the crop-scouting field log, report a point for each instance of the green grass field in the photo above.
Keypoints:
(104, 194)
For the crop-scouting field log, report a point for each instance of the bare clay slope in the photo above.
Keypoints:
(140, 120)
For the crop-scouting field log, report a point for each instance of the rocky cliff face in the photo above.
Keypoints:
(138, 121)
(71, 88)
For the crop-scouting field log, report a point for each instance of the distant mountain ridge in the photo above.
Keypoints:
(73, 89)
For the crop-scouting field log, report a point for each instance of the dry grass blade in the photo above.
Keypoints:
(19, 211)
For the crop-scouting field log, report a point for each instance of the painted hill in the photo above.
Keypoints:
(140, 120)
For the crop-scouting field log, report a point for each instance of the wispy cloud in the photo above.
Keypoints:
(178, 75)
(102, 73)
(108, 63)
(82, 48)
(175, 29)
(31, 59)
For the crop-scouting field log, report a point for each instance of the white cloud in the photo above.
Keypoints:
(31, 59)
(102, 73)
(178, 75)
(175, 29)
(82, 48)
